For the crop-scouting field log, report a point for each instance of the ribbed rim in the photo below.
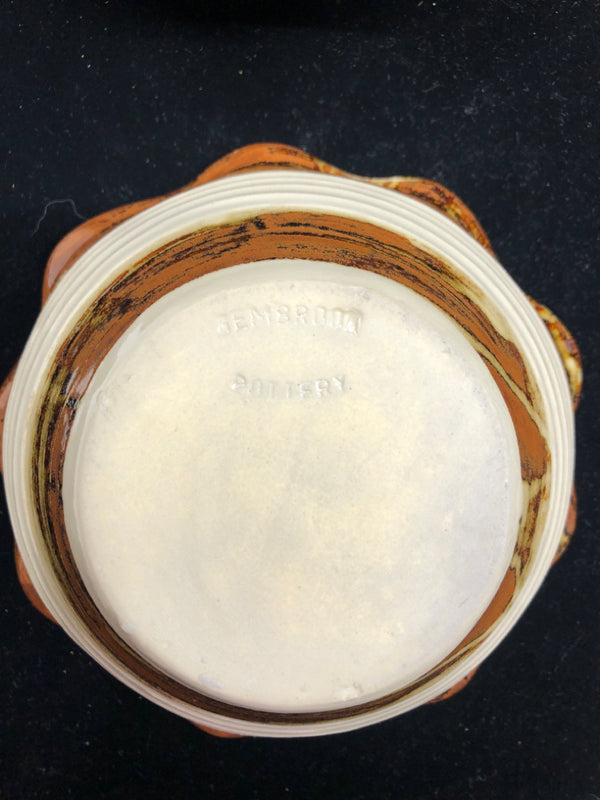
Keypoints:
(227, 200)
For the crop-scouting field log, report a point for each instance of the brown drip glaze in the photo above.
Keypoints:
(265, 156)
(276, 235)
(458, 686)
(76, 242)
(253, 158)
(219, 734)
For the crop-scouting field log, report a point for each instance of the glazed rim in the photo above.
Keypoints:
(228, 202)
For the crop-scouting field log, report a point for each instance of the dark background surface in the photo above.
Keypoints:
(110, 102)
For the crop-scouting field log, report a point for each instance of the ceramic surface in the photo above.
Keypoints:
(295, 233)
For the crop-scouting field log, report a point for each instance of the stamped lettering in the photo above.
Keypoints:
(288, 390)
(345, 320)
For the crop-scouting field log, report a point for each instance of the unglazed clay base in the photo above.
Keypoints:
(292, 485)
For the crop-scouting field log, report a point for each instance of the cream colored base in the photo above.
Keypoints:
(293, 486)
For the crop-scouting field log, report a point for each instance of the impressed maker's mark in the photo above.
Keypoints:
(346, 320)
(288, 390)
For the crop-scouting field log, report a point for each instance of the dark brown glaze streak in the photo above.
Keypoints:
(270, 236)
(271, 155)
